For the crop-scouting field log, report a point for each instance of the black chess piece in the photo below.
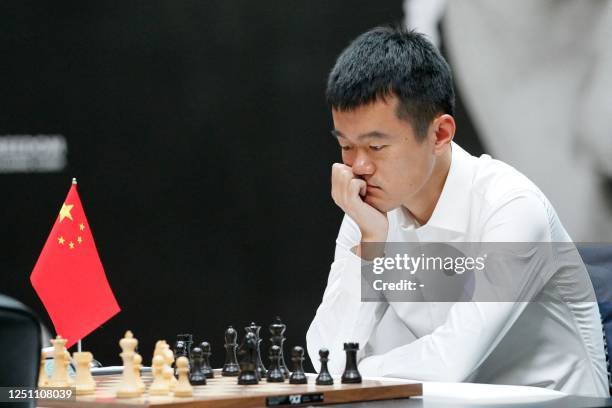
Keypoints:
(277, 330)
(231, 367)
(196, 375)
(275, 374)
(297, 376)
(179, 351)
(324, 377)
(261, 369)
(188, 340)
(351, 374)
(248, 361)
(206, 368)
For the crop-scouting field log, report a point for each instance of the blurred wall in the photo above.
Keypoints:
(199, 135)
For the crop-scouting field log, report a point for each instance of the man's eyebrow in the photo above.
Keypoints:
(335, 133)
(370, 135)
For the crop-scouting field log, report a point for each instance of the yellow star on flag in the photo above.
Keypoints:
(61, 240)
(79, 239)
(82, 226)
(65, 212)
(71, 245)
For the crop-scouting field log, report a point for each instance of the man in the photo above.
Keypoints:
(403, 179)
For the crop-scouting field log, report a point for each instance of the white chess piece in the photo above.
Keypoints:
(183, 387)
(84, 382)
(128, 387)
(59, 377)
(168, 375)
(169, 359)
(159, 346)
(160, 385)
(137, 367)
(43, 379)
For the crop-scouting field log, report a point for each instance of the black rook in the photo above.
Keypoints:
(351, 374)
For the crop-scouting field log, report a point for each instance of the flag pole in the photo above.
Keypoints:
(74, 181)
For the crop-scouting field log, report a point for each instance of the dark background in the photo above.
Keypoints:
(199, 135)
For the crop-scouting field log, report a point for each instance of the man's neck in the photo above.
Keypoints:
(425, 203)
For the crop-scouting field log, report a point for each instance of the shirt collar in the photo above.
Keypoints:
(452, 210)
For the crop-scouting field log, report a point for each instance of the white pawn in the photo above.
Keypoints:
(84, 382)
(160, 385)
(168, 375)
(169, 360)
(137, 367)
(128, 387)
(61, 359)
(183, 387)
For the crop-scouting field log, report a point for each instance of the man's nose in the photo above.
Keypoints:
(362, 165)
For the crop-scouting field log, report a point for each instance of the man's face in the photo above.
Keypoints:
(383, 150)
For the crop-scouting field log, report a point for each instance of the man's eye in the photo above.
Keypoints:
(377, 148)
(345, 148)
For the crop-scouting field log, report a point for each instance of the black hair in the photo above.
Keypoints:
(389, 61)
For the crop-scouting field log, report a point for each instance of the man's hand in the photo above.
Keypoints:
(347, 192)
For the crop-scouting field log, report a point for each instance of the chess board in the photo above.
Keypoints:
(225, 392)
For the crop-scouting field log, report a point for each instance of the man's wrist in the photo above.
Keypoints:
(374, 238)
(368, 250)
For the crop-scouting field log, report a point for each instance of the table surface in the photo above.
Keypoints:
(569, 401)
(469, 395)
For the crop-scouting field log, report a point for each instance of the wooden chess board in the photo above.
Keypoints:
(225, 392)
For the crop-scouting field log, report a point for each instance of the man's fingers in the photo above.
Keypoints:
(343, 171)
(346, 188)
(357, 186)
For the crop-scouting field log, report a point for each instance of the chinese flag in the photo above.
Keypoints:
(69, 277)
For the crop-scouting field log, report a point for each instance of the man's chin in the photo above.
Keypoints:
(380, 205)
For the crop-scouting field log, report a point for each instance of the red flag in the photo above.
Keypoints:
(69, 277)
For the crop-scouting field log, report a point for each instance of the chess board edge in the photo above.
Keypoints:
(312, 396)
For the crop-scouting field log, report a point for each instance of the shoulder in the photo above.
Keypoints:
(511, 207)
(496, 182)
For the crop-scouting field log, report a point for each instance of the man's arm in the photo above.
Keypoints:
(342, 317)
(473, 329)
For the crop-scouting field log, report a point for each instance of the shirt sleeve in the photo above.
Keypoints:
(472, 329)
(342, 316)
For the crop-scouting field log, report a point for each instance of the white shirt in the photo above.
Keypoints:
(557, 345)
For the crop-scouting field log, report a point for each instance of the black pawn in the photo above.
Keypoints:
(324, 377)
(261, 369)
(297, 376)
(275, 374)
(179, 351)
(248, 361)
(208, 371)
(196, 375)
(231, 367)
(277, 330)
(351, 374)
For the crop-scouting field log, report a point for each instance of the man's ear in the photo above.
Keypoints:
(443, 128)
